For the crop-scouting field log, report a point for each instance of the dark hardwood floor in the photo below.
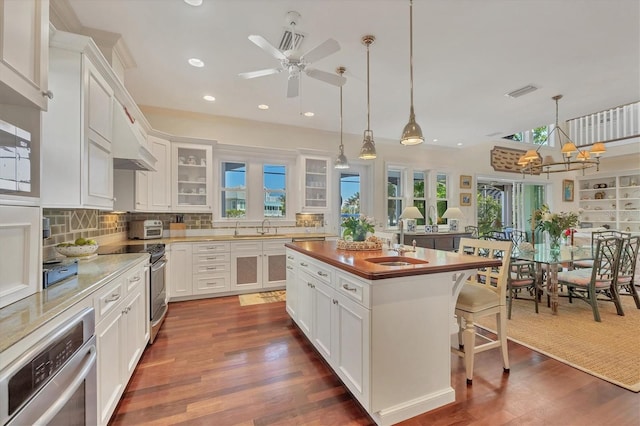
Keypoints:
(217, 363)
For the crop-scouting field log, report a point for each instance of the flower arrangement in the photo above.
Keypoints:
(357, 227)
(556, 224)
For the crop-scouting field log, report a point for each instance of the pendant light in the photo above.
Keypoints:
(368, 150)
(341, 161)
(412, 133)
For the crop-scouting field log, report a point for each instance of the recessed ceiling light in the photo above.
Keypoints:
(309, 114)
(209, 98)
(263, 106)
(435, 140)
(459, 143)
(195, 62)
(193, 2)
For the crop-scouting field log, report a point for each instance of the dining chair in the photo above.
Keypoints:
(588, 283)
(473, 229)
(483, 294)
(596, 235)
(518, 237)
(522, 277)
(627, 269)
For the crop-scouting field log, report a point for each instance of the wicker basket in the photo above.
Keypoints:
(359, 245)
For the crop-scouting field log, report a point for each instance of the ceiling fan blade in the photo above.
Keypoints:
(293, 86)
(260, 73)
(325, 49)
(263, 44)
(336, 80)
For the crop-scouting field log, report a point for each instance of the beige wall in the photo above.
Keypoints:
(474, 161)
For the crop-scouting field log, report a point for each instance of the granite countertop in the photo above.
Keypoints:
(357, 262)
(24, 316)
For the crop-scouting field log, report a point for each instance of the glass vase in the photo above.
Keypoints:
(554, 243)
(359, 234)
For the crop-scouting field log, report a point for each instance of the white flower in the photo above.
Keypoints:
(547, 217)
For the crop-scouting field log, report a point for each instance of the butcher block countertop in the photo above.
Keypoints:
(361, 263)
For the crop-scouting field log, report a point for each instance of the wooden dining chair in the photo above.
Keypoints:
(598, 235)
(483, 294)
(627, 269)
(586, 284)
(522, 278)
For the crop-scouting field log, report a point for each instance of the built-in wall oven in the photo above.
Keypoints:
(54, 382)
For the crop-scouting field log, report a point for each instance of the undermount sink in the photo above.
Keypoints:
(396, 261)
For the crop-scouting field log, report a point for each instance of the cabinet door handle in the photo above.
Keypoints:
(335, 302)
(323, 274)
(304, 264)
(113, 298)
(346, 287)
(48, 94)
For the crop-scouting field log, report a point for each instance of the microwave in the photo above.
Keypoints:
(145, 229)
(15, 159)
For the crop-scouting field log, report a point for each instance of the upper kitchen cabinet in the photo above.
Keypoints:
(316, 183)
(192, 177)
(77, 166)
(24, 44)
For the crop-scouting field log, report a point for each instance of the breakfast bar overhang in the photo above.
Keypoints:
(383, 322)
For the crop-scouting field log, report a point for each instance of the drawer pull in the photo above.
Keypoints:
(212, 258)
(289, 267)
(290, 257)
(113, 298)
(211, 267)
(346, 287)
(323, 274)
(135, 279)
(304, 264)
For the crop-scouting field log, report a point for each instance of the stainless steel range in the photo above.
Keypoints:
(158, 307)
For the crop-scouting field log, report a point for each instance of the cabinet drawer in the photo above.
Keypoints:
(109, 297)
(321, 272)
(211, 268)
(247, 246)
(217, 247)
(274, 244)
(353, 288)
(210, 258)
(213, 283)
(134, 278)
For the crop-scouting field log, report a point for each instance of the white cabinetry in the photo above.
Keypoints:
(274, 269)
(77, 165)
(121, 335)
(24, 52)
(211, 268)
(20, 239)
(246, 265)
(192, 177)
(181, 270)
(159, 182)
(292, 285)
(611, 200)
(316, 183)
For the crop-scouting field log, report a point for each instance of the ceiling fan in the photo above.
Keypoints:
(295, 63)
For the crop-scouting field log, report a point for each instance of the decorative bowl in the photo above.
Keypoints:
(77, 251)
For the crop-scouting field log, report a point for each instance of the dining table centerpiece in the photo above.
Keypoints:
(555, 224)
(356, 228)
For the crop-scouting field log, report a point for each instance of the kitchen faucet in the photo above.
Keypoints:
(235, 232)
(262, 231)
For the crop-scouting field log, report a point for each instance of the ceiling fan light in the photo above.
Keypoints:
(412, 133)
(368, 150)
(597, 149)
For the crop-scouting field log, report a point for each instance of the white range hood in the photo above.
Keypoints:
(129, 151)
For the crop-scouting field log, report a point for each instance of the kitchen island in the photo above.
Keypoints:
(383, 322)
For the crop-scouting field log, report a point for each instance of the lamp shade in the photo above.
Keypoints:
(598, 148)
(569, 148)
(531, 155)
(411, 212)
(453, 213)
(368, 150)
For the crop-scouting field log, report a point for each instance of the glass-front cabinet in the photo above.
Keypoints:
(316, 183)
(611, 201)
(192, 177)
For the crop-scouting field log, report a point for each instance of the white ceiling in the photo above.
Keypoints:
(467, 55)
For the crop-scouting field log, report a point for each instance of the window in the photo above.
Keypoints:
(537, 136)
(441, 197)
(274, 179)
(394, 196)
(419, 195)
(233, 189)
(349, 194)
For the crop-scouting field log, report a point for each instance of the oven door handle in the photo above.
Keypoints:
(156, 267)
(61, 400)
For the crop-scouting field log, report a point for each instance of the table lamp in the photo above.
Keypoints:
(454, 214)
(410, 214)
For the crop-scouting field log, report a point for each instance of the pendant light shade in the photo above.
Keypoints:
(412, 133)
(368, 150)
(341, 161)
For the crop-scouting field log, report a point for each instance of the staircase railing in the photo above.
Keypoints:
(614, 124)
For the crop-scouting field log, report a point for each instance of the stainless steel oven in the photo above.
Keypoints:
(158, 295)
(54, 382)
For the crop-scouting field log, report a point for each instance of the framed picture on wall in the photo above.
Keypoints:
(567, 190)
(465, 181)
(465, 198)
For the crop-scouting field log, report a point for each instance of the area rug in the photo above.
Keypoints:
(264, 297)
(609, 349)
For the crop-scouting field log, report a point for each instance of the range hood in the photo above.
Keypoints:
(128, 143)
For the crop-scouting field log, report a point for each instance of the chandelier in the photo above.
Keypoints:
(531, 162)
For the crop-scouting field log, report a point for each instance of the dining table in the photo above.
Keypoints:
(542, 256)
